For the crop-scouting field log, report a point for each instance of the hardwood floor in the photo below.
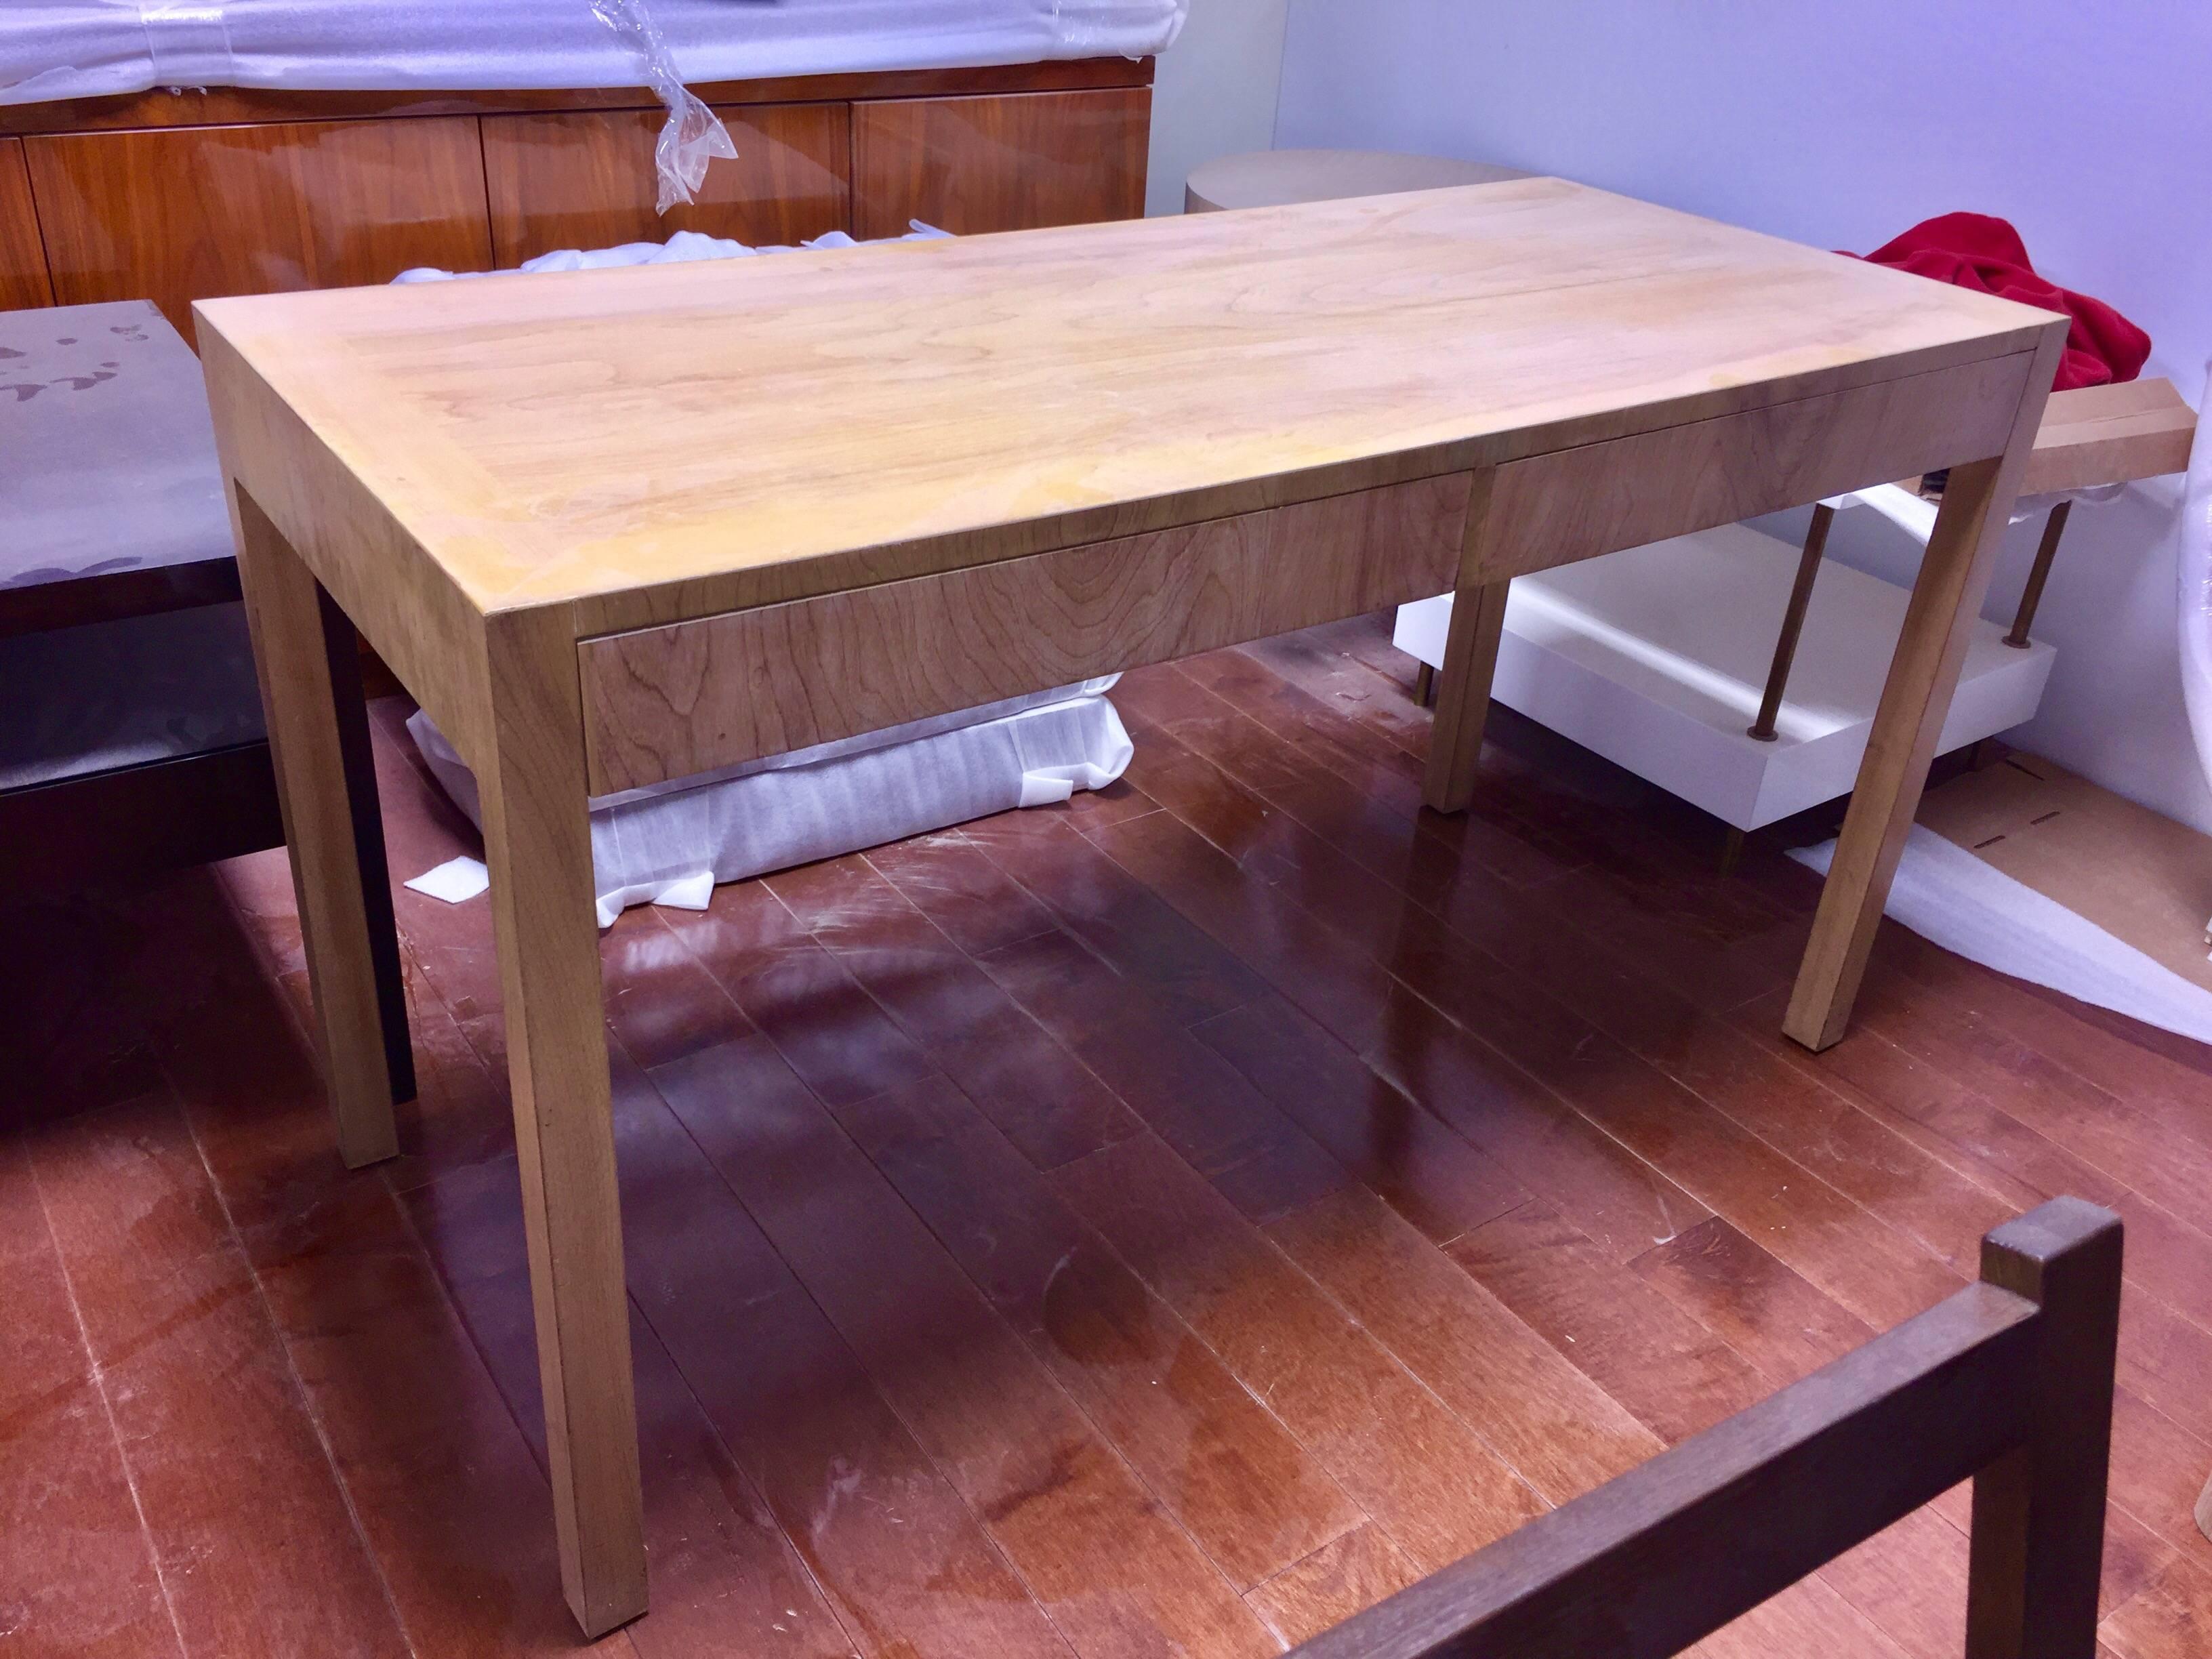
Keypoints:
(1161, 1223)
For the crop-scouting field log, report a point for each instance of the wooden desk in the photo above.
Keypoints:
(618, 526)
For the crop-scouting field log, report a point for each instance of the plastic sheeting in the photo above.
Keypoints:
(1944, 893)
(54, 49)
(2195, 564)
(693, 134)
(671, 843)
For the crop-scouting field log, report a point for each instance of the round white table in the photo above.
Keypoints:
(1271, 178)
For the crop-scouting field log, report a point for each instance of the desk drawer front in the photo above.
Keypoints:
(665, 703)
(1573, 504)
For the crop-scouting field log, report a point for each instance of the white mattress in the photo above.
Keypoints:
(53, 49)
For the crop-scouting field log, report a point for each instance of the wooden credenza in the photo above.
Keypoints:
(178, 197)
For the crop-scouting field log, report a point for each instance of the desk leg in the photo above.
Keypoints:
(347, 946)
(1954, 576)
(537, 844)
(1462, 684)
(1916, 699)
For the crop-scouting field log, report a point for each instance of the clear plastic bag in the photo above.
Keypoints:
(693, 134)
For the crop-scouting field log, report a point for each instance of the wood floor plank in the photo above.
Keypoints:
(661, 1003)
(1809, 1617)
(460, 1114)
(74, 1555)
(1127, 1033)
(1314, 967)
(441, 1480)
(1323, 662)
(1671, 1373)
(1412, 1465)
(1973, 1132)
(438, 1480)
(2169, 1618)
(213, 1424)
(1747, 1078)
(1190, 783)
(891, 1542)
(1116, 917)
(1910, 1579)
(1430, 1175)
(1610, 1194)
(2159, 1073)
(1561, 1431)
(2157, 1467)
(2165, 1360)
(1877, 1273)
(1659, 1025)
(2168, 1257)
(955, 884)
(1251, 1496)
(1365, 810)
(1345, 1576)
(1039, 1096)
(725, 1578)
(1759, 1307)
(1614, 1194)
(2110, 1135)
(1115, 1574)
(831, 1031)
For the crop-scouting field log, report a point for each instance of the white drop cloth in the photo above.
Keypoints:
(1944, 893)
(54, 49)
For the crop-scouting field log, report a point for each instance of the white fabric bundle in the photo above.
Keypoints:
(671, 843)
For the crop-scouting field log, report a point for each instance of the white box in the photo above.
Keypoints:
(1656, 657)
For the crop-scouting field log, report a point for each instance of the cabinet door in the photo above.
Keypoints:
(22, 258)
(1006, 163)
(192, 213)
(585, 179)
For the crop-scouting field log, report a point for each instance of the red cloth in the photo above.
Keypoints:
(1972, 249)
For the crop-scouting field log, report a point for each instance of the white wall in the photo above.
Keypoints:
(1839, 123)
(1215, 93)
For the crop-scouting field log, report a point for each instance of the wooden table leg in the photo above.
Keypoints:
(324, 834)
(1462, 684)
(1793, 622)
(537, 844)
(1954, 576)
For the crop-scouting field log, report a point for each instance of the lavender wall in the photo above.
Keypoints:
(2090, 127)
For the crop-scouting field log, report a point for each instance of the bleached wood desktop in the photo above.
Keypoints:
(620, 526)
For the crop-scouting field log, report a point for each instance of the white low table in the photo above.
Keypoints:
(1655, 658)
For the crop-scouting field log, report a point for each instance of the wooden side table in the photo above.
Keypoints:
(619, 526)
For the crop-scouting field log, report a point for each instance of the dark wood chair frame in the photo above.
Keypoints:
(2008, 1381)
(219, 803)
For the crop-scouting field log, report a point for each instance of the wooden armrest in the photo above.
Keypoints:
(2101, 434)
(2009, 1381)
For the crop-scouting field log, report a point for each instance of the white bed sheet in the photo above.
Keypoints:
(54, 49)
